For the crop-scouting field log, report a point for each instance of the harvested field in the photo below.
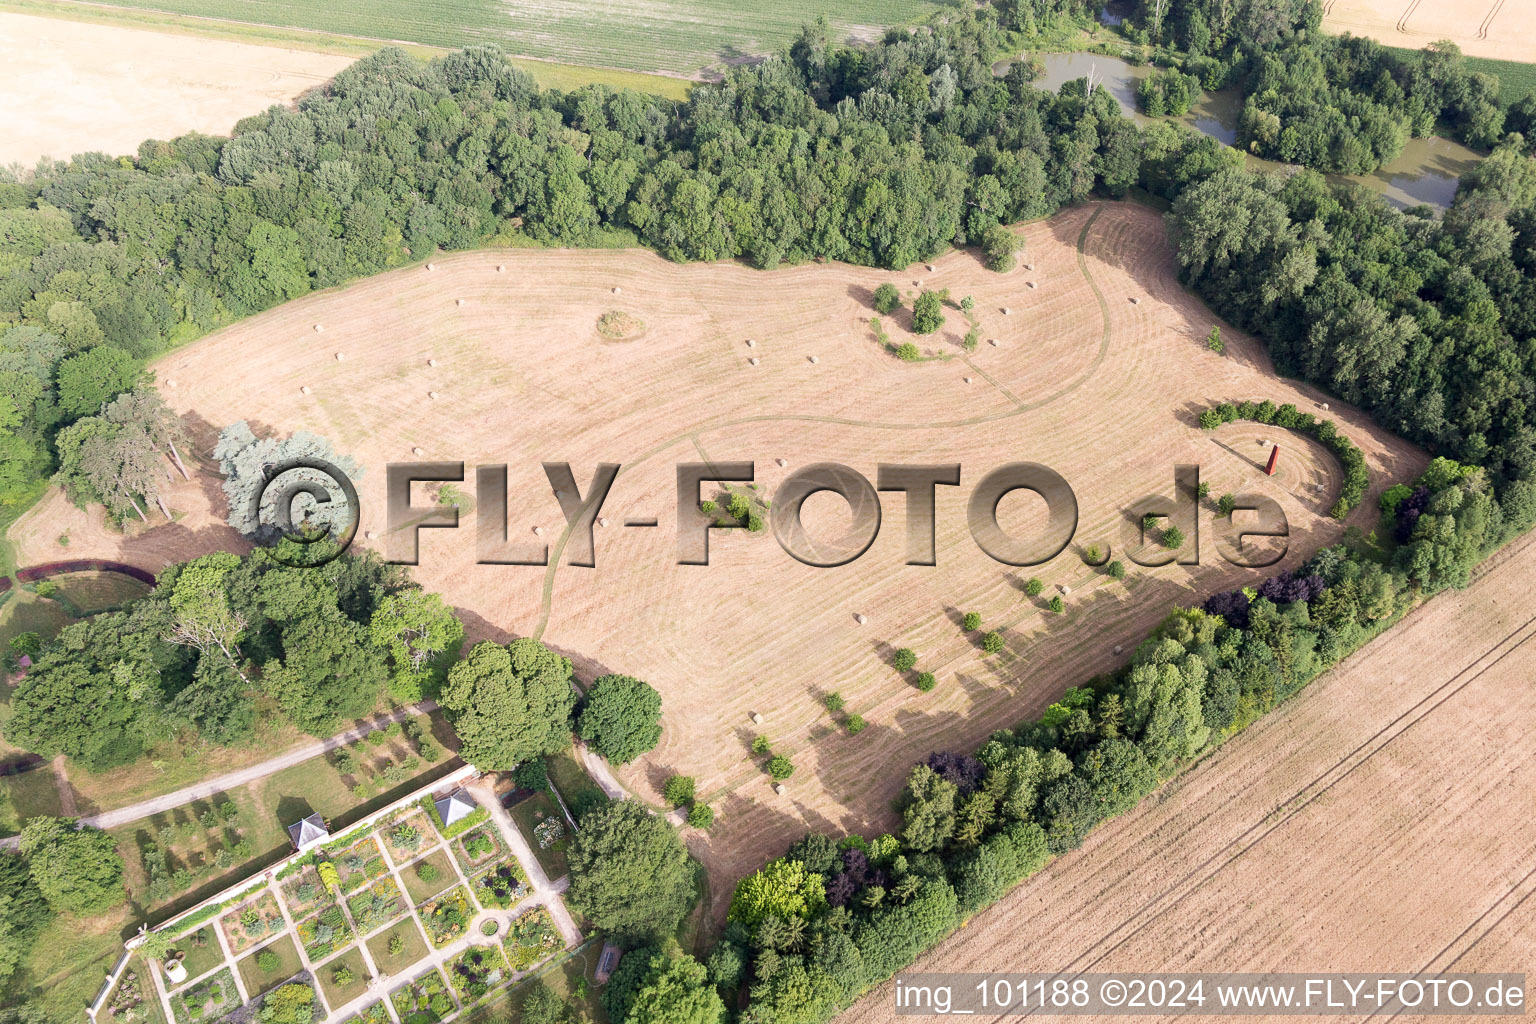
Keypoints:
(69, 87)
(1103, 389)
(1378, 822)
(1500, 29)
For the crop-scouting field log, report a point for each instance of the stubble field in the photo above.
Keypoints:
(1498, 29)
(70, 87)
(1103, 389)
(1375, 824)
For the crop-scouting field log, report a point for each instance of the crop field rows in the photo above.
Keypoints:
(673, 36)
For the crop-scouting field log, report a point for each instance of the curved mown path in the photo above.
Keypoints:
(557, 549)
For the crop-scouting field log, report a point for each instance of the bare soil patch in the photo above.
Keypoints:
(70, 87)
(1104, 390)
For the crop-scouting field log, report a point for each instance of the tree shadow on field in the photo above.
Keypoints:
(865, 297)
(174, 542)
(477, 628)
(585, 669)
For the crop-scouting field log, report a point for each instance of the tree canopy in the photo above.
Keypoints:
(630, 873)
(509, 703)
(621, 717)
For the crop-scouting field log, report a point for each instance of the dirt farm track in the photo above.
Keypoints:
(1378, 823)
(1099, 371)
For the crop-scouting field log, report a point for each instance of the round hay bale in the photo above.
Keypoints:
(341, 357)
(500, 268)
(782, 462)
(617, 290)
(1031, 284)
(1118, 648)
(418, 451)
(861, 618)
(538, 531)
(814, 360)
(304, 389)
(431, 266)
(1006, 311)
(780, 788)
(993, 342)
(751, 343)
(602, 520)
(319, 328)
(753, 360)
(370, 535)
(966, 379)
(918, 284)
(1029, 266)
(1325, 407)
(928, 267)
(1135, 301)
(431, 362)
(458, 302)
(1065, 590)
(432, 395)
(170, 383)
(757, 719)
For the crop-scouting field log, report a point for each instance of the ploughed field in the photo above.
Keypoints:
(1103, 389)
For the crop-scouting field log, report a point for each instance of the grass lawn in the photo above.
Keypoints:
(629, 34)
(257, 980)
(340, 994)
(28, 794)
(63, 971)
(442, 876)
(202, 949)
(528, 814)
(412, 947)
(576, 787)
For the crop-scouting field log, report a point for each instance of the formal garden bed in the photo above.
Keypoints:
(127, 1003)
(376, 905)
(407, 838)
(446, 917)
(270, 966)
(478, 848)
(375, 1014)
(324, 933)
(424, 1000)
(252, 923)
(359, 864)
(546, 830)
(476, 971)
(502, 886)
(209, 999)
(531, 939)
(304, 892)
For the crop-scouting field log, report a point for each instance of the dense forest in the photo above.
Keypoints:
(1332, 103)
(879, 155)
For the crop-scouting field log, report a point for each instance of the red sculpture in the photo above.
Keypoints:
(1274, 453)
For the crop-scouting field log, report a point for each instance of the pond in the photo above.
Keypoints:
(1426, 171)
